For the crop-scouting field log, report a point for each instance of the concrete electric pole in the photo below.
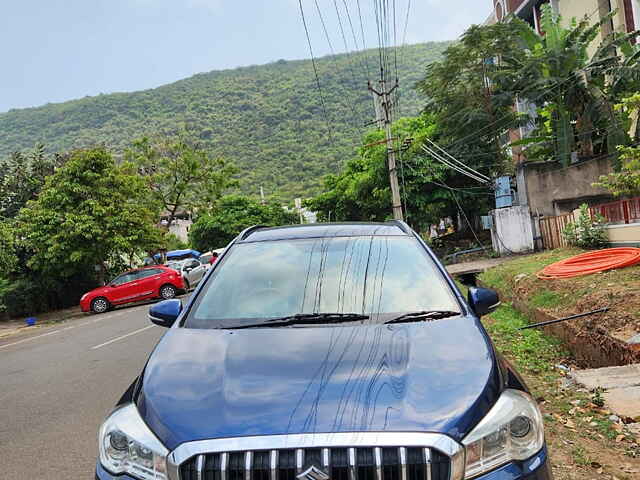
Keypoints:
(383, 104)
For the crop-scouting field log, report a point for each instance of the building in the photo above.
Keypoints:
(626, 19)
(544, 188)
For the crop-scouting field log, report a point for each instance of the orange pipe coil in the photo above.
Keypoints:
(591, 262)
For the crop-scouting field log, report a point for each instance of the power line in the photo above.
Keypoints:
(344, 40)
(463, 165)
(442, 160)
(315, 71)
(366, 57)
(351, 106)
(355, 39)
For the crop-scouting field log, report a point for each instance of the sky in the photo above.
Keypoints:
(57, 50)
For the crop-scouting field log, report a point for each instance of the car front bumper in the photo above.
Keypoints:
(536, 468)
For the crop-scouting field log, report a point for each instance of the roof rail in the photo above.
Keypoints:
(401, 225)
(248, 231)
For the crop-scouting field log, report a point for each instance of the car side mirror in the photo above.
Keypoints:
(166, 312)
(113, 285)
(483, 300)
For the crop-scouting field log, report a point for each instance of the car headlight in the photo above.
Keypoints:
(128, 446)
(512, 430)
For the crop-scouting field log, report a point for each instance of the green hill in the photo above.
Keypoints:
(267, 119)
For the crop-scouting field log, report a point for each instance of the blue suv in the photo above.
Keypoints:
(325, 352)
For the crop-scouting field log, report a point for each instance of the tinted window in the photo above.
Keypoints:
(124, 278)
(149, 272)
(368, 275)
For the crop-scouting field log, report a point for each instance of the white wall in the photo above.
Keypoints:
(180, 228)
(512, 230)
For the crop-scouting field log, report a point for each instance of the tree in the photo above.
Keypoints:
(576, 92)
(361, 192)
(626, 181)
(89, 212)
(181, 176)
(470, 110)
(8, 260)
(22, 175)
(233, 214)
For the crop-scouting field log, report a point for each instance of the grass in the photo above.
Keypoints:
(547, 299)
(617, 289)
(579, 433)
(531, 350)
(503, 276)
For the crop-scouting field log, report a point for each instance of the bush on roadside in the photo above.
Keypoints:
(586, 232)
(31, 294)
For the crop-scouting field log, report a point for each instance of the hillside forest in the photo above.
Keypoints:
(267, 119)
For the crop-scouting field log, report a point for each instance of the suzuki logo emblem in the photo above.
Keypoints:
(312, 473)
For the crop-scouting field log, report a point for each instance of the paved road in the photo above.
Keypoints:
(58, 384)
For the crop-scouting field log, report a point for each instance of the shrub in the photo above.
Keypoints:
(586, 232)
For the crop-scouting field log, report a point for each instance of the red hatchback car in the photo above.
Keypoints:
(156, 281)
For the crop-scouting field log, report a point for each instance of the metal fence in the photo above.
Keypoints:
(551, 230)
(621, 211)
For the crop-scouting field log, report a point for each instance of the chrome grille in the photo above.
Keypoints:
(362, 463)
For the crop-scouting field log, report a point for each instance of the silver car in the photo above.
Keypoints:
(191, 269)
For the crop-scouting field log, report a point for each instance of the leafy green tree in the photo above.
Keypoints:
(233, 214)
(576, 91)
(625, 181)
(470, 110)
(8, 259)
(429, 190)
(90, 211)
(22, 176)
(182, 177)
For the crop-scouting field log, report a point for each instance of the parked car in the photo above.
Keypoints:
(191, 270)
(133, 286)
(322, 352)
(176, 255)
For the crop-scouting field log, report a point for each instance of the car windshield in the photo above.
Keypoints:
(175, 265)
(378, 276)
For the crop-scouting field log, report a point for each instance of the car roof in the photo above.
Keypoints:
(323, 230)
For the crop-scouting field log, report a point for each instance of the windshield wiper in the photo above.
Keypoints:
(305, 318)
(422, 315)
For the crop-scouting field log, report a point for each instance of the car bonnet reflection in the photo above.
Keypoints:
(435, 376)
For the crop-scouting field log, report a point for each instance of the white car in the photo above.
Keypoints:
(191, 269)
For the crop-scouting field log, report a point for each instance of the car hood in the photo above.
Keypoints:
(438, 376)
(98, 291)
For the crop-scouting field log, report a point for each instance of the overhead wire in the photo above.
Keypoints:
(455, 160)
(364, 45)
(315, 71)
(355, 40)
(352, 106)
(442, 160)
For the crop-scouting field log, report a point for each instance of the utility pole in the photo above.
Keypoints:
(383, 104)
